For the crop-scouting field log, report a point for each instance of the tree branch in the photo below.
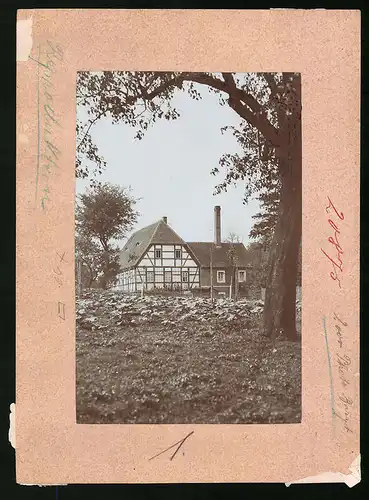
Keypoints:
(88, 129)
(173, 82)
(131, 100)
(251, 110)
(269, 78)
(257, 121)
(244, 104)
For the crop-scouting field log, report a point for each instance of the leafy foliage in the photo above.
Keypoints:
(103, 214)
(111, 268)
(256, 167)
(260, 164)
(258, 254)
(123, 98)
(88, 157)
(232, 254)
(139, 99)
(89, 258)
(266, 219)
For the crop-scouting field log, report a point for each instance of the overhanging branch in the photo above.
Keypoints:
(243, 103)
(240, 101)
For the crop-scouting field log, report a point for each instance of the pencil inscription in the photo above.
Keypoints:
(343, 410)
(59, 278)
(48, 152)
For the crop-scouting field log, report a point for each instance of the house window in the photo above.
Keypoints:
(178, 254)
(176, 275)
(241, 276)
(150, 276)
(221, 276)
(167, 276)
(185, 276)
(157, 254)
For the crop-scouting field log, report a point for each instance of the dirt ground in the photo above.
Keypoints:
(188, 371)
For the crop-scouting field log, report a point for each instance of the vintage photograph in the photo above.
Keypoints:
(188, 221)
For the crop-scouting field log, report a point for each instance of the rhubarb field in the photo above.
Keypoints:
(156, 359)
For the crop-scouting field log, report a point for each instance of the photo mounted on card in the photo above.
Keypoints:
(188, 222)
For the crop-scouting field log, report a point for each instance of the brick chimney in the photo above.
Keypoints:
(217, 230)
(165, 220)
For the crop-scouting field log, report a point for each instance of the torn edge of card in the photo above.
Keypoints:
(351, 479)
(12, 425)
(43, 485)
(24, 39)
(12, 442)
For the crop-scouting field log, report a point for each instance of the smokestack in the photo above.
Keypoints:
(217, 235)
(165, 220)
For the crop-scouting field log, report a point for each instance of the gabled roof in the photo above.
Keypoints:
(136, 246)
(221, 254)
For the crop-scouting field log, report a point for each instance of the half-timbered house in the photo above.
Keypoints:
(156, 257)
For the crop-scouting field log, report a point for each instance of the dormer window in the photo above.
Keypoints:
(138, 243)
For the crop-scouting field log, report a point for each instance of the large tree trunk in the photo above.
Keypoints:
(104, 282)
(280, 297)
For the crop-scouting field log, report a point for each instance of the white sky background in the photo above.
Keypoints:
(169, 169)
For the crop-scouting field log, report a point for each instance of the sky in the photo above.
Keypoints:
(169, 169)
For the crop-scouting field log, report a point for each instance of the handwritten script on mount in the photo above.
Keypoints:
(344, 403)
(47, 151)
(59, 278)
(335, 252)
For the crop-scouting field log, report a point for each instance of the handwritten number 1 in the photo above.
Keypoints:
(178, 444)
